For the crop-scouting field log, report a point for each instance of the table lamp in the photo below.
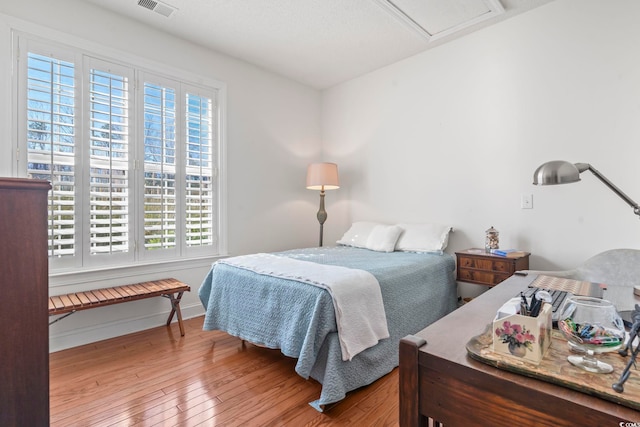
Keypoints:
(561, 172)
(322, 176)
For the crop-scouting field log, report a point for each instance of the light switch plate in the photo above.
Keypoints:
(526, 201)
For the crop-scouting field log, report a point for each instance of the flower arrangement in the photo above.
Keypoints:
(516, 336)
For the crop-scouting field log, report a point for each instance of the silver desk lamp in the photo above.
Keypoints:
(561, 172)
(322, 176)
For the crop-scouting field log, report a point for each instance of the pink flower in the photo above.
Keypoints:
(515, 335)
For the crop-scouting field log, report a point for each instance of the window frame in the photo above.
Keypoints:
(23, 43)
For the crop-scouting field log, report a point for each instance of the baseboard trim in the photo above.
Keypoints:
(82, 336)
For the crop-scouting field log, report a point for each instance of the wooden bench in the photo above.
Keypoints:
(168, 288)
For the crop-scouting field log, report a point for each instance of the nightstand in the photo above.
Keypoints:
(482, 268)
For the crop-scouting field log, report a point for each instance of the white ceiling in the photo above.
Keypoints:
(319, 42)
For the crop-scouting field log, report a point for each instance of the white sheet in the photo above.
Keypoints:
(356, 295)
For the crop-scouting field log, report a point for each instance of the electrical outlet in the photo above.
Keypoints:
(526, 201)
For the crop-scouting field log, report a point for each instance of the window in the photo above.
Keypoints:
(133, 157)
(159, 166)
(199, 180)
(108, 146)
(51, 143)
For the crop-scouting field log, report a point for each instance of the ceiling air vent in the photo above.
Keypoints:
(161, 8)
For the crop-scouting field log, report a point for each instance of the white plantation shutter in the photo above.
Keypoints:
(200, 170)
(109, 168)
(51, 143)
(133, 157)
(159, 166)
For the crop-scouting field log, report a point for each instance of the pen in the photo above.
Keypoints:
(534, 303)
(524, 306)
(535, 310)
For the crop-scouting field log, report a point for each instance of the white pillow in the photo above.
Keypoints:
(423, 237)
(358, 235)
(383, 238)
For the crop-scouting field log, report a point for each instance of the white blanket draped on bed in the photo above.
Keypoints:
(356, 295)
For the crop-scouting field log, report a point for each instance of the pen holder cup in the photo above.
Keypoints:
(523, 337)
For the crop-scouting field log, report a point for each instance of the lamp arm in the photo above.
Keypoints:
(585, 166)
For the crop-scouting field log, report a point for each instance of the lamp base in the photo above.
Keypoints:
(322, 216)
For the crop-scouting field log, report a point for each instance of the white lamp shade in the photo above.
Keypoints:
(322, 176)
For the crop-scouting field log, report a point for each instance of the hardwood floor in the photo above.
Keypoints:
(157, 378)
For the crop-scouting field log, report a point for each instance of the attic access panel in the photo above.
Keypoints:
(438, 18)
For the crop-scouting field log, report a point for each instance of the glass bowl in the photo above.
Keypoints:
(591, 325)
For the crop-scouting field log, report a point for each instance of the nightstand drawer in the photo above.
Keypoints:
(503, 266)
(482, 277)
(486, 264)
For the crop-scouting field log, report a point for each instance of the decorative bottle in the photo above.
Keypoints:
(492, 239)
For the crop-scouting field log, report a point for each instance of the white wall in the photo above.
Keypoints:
(454, 134)
(273, 132)
(451, 135)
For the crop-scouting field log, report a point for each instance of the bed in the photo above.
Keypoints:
(417, 288)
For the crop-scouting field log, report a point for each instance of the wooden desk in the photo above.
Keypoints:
(438, 381)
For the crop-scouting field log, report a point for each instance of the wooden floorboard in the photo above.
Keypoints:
(206, 378)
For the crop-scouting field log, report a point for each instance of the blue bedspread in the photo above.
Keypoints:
(299, 319)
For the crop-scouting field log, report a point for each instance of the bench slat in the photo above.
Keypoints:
(112, 293)
(74, 299)
(99, 294)
(151, 287)
(124, 290)
(84, 300)
(55, 302)
(91, 297)
(66, 301)
(138, 289)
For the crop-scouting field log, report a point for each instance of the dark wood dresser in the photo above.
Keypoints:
(24, 279)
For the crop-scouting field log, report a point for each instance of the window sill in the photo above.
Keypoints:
(164, 268)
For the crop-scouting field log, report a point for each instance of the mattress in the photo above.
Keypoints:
(299, 319)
